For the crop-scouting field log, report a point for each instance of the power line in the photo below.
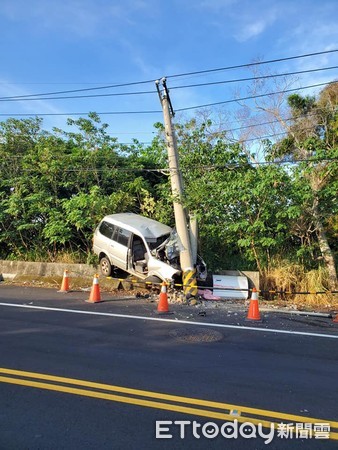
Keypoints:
(230, 140)
(254, 96)
(178, 110)
(270, 122)
(120, 94)
(114, 94)
(134, 83)
(112, 133)
(229, 130)
(109, 86)
(261, 138)
(260, 163)
(159, 111)
(205, 167)
(259, 63)
(116, 144)
(216, 133)
(233, 141)
(294, 161)
(81, 113)
(262, 77)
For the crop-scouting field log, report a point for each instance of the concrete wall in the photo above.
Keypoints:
(9, 269)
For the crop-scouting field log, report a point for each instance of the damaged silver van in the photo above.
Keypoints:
(141, 246)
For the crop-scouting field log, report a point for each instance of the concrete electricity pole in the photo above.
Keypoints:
(186, 254)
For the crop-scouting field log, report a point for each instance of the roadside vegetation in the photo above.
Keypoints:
(268, 204)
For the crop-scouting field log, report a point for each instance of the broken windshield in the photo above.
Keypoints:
(154, 243)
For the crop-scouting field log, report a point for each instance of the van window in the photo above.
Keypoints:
(107, 229)
(122, 236)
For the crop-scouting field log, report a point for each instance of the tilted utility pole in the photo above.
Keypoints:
(186, 254)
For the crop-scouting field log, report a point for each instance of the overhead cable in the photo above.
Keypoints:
(198, 72)
(205, 167)
(251, 97)
(261, 77)
(121, 94)
(159, 111)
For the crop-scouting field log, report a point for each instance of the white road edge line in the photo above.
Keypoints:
(176, 321)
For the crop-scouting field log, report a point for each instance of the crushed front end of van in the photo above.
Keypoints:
(170, 250)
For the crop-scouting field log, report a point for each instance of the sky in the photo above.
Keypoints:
(50, 46)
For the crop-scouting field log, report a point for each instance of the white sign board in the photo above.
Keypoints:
(226, 286)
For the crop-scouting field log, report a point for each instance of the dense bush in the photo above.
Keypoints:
(55, 187)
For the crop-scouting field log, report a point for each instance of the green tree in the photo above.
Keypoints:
(312, 137)
(56, 187)
(242, 209)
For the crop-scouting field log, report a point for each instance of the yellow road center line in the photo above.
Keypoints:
(155, 395)
(131, 400)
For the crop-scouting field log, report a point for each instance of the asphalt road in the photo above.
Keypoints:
(189, 372)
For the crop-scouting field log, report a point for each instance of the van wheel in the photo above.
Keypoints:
(105, 267)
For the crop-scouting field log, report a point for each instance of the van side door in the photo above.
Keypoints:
(120, 245)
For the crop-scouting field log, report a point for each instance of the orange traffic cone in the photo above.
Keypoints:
(163, 306)
(335, 319)
(65, 282)
(253, 313)
(95, 295)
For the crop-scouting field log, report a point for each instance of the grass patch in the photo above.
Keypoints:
(293, 277)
